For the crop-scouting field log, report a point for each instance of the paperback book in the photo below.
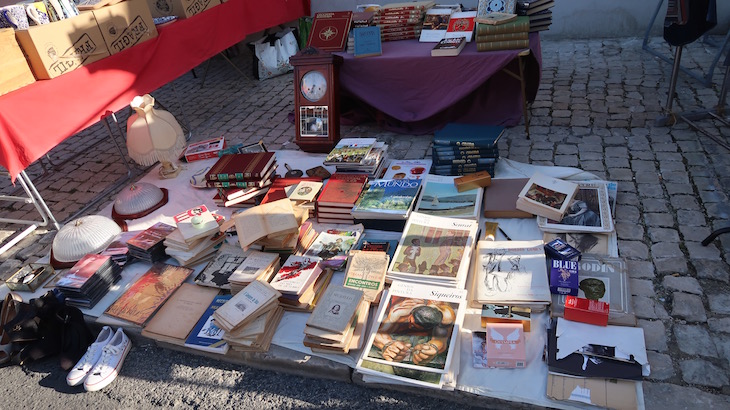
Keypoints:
(407, 169)
(216, 273)
(336, 309)
(296, 274)
(461, 24)
(196, 223)
(440, 197)
(546, 196)
(435, 24)
(332, 248)
(451, 46)
(435, 250)
(350, 151)
(366, 272)
(245, 306)
(206, 336)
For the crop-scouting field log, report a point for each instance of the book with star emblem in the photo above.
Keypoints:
(330, 30)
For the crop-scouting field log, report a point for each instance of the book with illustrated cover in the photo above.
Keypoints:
(177, 317)
(216, 273)
(151, 236)
(387, 199)
(448, 47)
(485, 7)
(366, 271)
(277, 190)
(148, 293)
(332, 248)
(206, 336)
(461, 24)
(440, 197)
(511, 272)
(434, 249)
(342, 190)
(506, 345)
(350, 151)
(238, 167)
(204, 149)
(305, 191)
(330, 30)
(336, 309)
(415, 331)
(296, 274)
(253, 266)
(435, 24)
(407, 169)
(589, 210)
(82, 272)
(196, 223)
(546, 196)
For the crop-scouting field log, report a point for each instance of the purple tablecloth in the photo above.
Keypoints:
(407, 91)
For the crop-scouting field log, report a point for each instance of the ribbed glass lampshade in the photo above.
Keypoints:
(88, 234)
(137, 198)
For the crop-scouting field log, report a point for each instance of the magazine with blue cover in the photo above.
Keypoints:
(387, 199)
(206, 335)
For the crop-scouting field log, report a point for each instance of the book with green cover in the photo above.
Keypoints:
(503, 45)
(387, 198)
(521, 23)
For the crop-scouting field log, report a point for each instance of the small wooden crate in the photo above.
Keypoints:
(14, 69)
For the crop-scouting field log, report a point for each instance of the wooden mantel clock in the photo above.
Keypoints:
(316, 99)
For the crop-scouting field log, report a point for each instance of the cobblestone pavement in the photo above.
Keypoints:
(595, 110)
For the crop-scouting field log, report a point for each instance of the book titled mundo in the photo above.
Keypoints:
(387, 199)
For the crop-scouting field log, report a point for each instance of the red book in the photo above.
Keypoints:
(342, 190)
(330, 30)
(245, 183)
(276, 190)
(238, 167)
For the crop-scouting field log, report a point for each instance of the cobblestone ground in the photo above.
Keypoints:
(595, 110)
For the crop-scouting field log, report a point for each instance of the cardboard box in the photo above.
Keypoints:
(14, 69)
(125, 24)
(204, 149)
(180, 8)
(585, 310)
(62, 46)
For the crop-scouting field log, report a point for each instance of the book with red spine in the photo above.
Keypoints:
(248, 167)
(342, 190)
(277, 190)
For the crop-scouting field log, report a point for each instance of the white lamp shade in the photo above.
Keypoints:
(85, 235)
(137, 198)
(153, 135)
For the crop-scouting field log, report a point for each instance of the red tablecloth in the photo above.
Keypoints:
(36, 118)
(408, 91)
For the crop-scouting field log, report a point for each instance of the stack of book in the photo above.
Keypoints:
(148, 245)
(88, 280)
(358, 155)
(385, 204)
(250, 317)
(303, 194)
(359, 19)
(205, 335)
(461, 148)
(538, 11)
(334, 204)
(119, 250)
(256, 265)
(333, 244)
(271, 226)
(301, 281)
(241, 178)
(196, 238)
(337, 321)
(402, 21)
(506, 36)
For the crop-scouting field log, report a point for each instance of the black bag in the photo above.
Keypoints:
(698, 17)
(46, 327)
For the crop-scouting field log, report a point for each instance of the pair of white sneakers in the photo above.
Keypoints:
(100, 365)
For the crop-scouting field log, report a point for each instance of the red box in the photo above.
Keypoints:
(204, 149)
(585, 310)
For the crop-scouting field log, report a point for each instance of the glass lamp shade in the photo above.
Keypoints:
(85, 235)
(138, 198)
(153, 135)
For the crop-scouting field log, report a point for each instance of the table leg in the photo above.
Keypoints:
(523, 87)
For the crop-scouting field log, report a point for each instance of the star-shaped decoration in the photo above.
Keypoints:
(328, 33)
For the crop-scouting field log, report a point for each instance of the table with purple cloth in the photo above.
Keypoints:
(407, 91)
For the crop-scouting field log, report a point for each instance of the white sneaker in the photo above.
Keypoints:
(107, 368)
(79, 372)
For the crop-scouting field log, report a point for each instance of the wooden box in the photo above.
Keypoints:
(14, 69)
(62, 46)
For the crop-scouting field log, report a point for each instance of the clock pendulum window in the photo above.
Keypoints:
(316, 99)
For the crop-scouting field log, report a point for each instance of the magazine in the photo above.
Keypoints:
(589, 211)
(332, 247)
(416, 330)
(434, 249)
(439, 197)
(511, 272)
(387, 199)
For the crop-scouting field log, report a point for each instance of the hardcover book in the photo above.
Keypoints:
(296, 274)
(506, 345)
(520, 24)
(277, 190)
(342, 190)
(408, 5)
(434, 249)
(496, 18)
(535, 8)
(435, 24)
(305, 191)
(502, 45)
(589, 210)
(330, 30)
(196, 223)
(243, 183)
(367, 41)
(234, 167)
(366, 272)
(484, 7)
(546, 196)
(387, 199)
(461, 24)
(440, 197)
(497, 38)
(336, 309)
(206, 336)
(511, 272)
(177, 317)
(448, 47)
(148, 293)
(468, 135)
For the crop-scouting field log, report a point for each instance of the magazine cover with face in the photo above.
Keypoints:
(589, 211)
(416, 331)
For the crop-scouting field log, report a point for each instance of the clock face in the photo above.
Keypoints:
(313, 86)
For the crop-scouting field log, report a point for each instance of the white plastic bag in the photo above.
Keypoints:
(273, 60)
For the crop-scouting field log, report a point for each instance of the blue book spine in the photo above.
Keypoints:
(206, 333)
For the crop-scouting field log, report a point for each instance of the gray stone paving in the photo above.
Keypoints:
(595, 110)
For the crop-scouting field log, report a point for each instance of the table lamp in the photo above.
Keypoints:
(154, 135)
